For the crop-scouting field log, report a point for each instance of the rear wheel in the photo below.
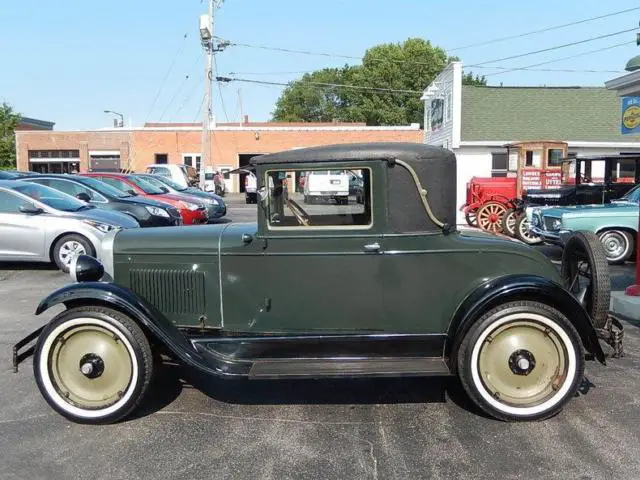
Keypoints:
(524, 234)
(618, 245)
(70, 247)
(490, 217)
(521, 361)
(585, 273)
(471, 218)
(509, 222)
(93, 364)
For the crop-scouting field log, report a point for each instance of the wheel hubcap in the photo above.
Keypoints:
(509, 367)
(69, 251)
(90, 367)
(614, 245)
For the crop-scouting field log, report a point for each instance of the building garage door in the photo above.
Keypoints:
(104, 161)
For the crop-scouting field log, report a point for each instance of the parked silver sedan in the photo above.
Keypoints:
(40, 224)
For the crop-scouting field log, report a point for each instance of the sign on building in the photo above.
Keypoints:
(630, 115)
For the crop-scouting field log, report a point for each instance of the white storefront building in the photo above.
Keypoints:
(477, 122)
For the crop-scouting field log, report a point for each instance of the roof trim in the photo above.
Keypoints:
(390, 128)
(571, 143)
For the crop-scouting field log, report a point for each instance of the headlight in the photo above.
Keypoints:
(103, 227)
(534, 221)
(556, 224)
(210, 201)
(191, 206)
(157, 211)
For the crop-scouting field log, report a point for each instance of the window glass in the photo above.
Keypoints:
(73, 189)
(117, 183)
(146, 187)
(160, 171)
(554, 157)
(102, 187)
(499, 164)
(624, 170)
(52, 198)
(10, 203)
(329, 199)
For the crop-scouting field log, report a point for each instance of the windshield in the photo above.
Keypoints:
(102, 187)
(158, 181)
(52, 198)
(147, 187)
(632, 195)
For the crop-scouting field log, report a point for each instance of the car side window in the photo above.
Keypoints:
(10, 203)
(330, 199)
(116, 183)
(160, 171)
(73, 189)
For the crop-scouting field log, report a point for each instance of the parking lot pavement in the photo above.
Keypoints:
(378, 429)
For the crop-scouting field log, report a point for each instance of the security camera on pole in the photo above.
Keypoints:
(206, 38)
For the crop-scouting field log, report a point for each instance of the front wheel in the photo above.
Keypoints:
(521, 361)
(509, 222)
(618, 245)
(490, 217)
(524, 234)
(92, 364)
(70, 247)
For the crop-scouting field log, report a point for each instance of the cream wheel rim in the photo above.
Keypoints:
(490, 216)
(523, 364)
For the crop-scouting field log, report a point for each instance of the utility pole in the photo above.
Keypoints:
(208, 120)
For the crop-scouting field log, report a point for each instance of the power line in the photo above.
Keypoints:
(321, 84)
(547, 29)
(199, 110)
(181, 86)
(532, 66)
(557, 47)
(173, 62)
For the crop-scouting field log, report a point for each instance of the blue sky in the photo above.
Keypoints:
(68, 61)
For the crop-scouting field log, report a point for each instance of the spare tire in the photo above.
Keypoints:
(585, 273)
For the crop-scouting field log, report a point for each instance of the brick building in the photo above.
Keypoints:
(232, 145)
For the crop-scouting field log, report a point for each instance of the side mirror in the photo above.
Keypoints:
(164, 189)
(30, 209)
(83, 196)
(132, 192)
(262, 193)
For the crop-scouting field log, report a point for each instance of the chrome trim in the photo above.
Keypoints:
(107, 252)
(72, 269)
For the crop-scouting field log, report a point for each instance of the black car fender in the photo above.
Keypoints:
(124, 300)
(520, 287)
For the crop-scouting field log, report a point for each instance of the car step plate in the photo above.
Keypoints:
(348, 367)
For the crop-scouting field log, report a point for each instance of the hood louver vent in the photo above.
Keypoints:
(171, 291)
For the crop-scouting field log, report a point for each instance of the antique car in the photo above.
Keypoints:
(615, 224)
(588, 180)
(390, 288)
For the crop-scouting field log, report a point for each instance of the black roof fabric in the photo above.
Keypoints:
(353, 151)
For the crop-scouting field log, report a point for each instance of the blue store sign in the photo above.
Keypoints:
(630, 115)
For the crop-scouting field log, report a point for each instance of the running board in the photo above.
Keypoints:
(348, 367)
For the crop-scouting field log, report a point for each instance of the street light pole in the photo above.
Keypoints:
(121, 123)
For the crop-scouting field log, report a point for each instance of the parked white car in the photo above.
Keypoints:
(184, 175)
(326, 185)
(40, 224)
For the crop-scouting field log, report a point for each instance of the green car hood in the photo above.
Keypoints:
(606, 210)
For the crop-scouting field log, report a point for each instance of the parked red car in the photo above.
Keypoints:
(192, 210)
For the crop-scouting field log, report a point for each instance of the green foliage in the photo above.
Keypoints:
(478, 81)
(408, 66)
(8, 122)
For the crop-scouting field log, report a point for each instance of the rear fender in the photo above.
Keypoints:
(124, 300)
(520, 287)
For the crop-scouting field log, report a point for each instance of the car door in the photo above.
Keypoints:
(22, 235)
(323, 277)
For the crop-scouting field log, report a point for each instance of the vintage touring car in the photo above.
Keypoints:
(380, 288)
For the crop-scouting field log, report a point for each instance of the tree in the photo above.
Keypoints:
(404, 69)
(478, 81)
(8, 122)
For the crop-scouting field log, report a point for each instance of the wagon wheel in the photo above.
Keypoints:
(585, 273)
(524, 234)
(471, 217)
(509, 221)
(490, 217)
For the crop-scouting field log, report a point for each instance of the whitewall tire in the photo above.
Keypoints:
(93, 364)
(521, 361)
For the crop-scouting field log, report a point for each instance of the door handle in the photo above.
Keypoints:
(372, 247)
(246, 238)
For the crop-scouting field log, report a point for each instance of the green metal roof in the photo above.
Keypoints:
(541, 113)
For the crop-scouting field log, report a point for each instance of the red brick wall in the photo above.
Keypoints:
(226, 145)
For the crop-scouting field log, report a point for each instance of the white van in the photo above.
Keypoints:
(326, 185)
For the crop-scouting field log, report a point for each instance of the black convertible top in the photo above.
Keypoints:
(354, 151)
(435, 167)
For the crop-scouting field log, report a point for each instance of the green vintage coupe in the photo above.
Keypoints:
(380, 288)
(615, 224)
